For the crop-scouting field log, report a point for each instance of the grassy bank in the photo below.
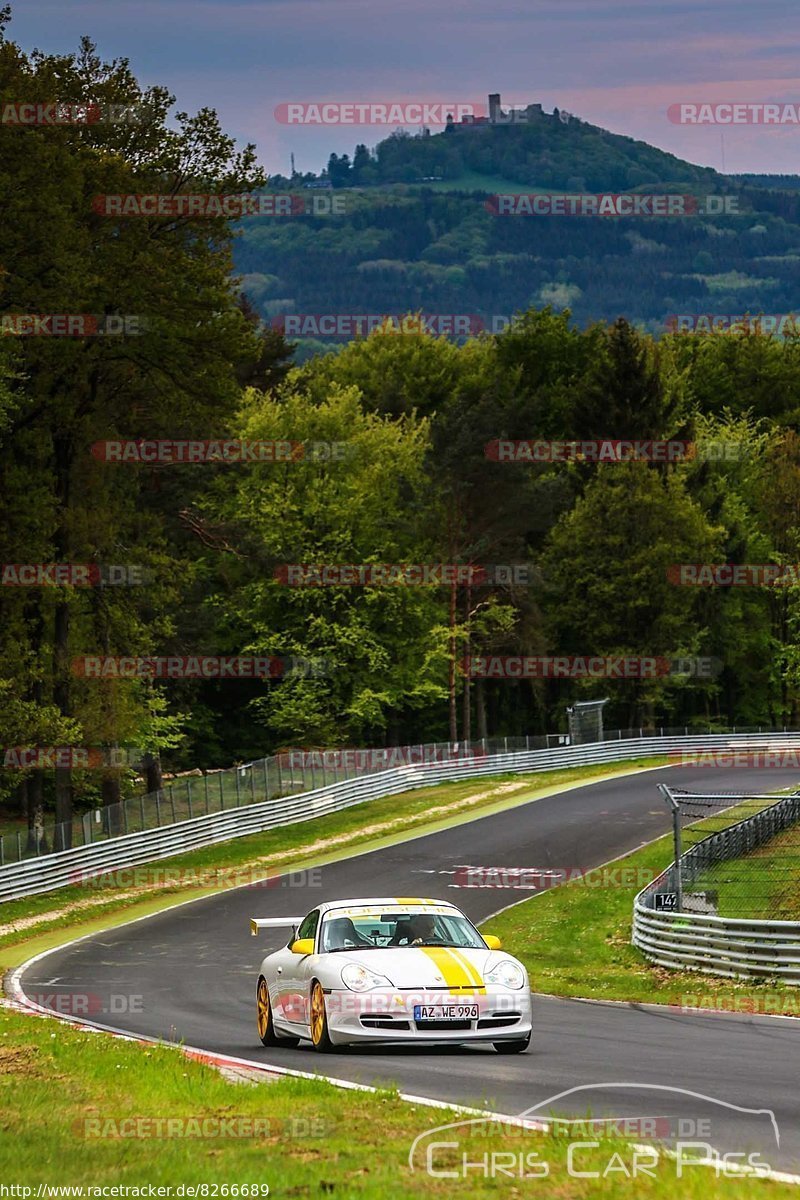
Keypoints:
(764, 884)
(92, 1110)
(575, 941)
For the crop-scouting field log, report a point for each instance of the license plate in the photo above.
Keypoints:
(445, 1012)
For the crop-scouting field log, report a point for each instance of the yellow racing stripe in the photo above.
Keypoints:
(456, 971)
(475, 978)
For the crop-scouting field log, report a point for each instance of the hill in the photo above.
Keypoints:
(406, 242)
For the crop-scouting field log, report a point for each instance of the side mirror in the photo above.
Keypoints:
(304, 946)
(492, 942)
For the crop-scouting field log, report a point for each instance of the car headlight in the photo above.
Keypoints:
(360, 979)
(507, 974)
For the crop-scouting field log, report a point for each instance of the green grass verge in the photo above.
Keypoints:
(575, 941)
(764, 884)
(71, 1103)
(303, 845)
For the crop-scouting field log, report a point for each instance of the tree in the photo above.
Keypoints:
(607, 587)
(177, 377)
(380, 647)
(624, 395)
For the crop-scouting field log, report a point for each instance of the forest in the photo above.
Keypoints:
(378, 454)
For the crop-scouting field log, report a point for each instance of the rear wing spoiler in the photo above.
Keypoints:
(257, 923)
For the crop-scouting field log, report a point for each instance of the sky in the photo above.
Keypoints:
(617, 65)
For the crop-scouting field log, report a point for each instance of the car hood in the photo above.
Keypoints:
(425, 966)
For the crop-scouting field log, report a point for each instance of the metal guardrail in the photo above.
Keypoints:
(66, 867)
(736, 947)
(196, 793)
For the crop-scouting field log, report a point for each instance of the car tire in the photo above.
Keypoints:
(519, 1046)
(318, 1022)
(266, 1029)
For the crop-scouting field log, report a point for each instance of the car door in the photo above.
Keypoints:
(294, 986)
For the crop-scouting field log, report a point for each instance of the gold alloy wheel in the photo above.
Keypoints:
(264, 1014)
(320, 1038)
(266, 1025)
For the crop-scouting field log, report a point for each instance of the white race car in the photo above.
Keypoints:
(404, 970)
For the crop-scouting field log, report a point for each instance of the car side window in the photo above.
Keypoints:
(308, 926)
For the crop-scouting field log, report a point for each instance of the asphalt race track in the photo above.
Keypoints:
(195, 970)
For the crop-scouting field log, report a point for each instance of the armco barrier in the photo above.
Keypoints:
(736, 947)
(66, 866)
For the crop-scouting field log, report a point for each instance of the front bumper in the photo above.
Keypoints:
(385, 1015)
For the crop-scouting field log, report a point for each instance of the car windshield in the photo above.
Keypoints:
(365, 931)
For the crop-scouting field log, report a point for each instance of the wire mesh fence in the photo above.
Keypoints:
(736, 855)
(285, 774)
(272, 778)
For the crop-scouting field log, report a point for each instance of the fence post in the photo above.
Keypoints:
(172, 803)
(2, 852)
(158, 808)
(141, 810)
(280, 776)
(237, 786)
(189, 796)
(222, 792)
(676, 838)
(266, 778)
(19, 848)
(253, 781)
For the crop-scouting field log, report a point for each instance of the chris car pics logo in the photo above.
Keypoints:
(673, 1139)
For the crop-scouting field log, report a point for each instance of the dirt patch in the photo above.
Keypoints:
(56, 913)
(19, 1060)
(398, 823)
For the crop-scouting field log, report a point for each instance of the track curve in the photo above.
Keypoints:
(194, 968)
